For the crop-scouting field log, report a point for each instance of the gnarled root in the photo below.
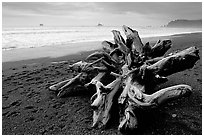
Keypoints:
(180, 61)
(55, 87)
(166, 94)
(102, 102)
(129, 120)
(68, 86)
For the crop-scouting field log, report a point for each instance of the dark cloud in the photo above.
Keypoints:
(109, 12)
(165, 8)
(51, 8)
(148, 8)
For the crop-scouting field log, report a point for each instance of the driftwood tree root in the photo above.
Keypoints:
(130, 70)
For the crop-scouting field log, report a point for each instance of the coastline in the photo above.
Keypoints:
(48, 51)
(28, 107)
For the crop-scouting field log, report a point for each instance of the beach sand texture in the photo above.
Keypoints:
(28, 107)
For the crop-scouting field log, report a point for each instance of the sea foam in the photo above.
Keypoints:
(32, 37)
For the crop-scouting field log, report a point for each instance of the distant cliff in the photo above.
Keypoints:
(185, 23)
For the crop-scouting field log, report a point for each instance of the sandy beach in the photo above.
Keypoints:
(29, 108)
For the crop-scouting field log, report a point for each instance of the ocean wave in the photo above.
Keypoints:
(31, 38)
(9, 48)
(41, 32)
(50, 44)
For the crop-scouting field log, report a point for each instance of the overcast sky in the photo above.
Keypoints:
(87, 14)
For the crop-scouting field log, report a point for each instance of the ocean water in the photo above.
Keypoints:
(31, 37)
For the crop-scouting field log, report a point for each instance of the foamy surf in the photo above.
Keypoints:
(15, 38)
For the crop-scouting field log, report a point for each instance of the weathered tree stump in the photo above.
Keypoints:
(135, 68)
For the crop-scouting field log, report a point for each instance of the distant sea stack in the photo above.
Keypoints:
(99, 24)
(185, 23)
(41, 25)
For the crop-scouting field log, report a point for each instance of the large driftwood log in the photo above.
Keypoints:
(137, 69)
(177, 62)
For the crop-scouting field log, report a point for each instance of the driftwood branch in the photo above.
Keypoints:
(133, 42)
(102, 102)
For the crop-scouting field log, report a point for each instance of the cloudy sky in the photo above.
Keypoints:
(88, 14)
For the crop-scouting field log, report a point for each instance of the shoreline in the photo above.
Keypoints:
(48, 51)
(56, 51)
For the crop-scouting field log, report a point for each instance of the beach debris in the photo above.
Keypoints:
(174, 115)
(125, 74)
(59, 62)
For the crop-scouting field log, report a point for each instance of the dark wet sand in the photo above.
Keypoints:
(28, 107)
